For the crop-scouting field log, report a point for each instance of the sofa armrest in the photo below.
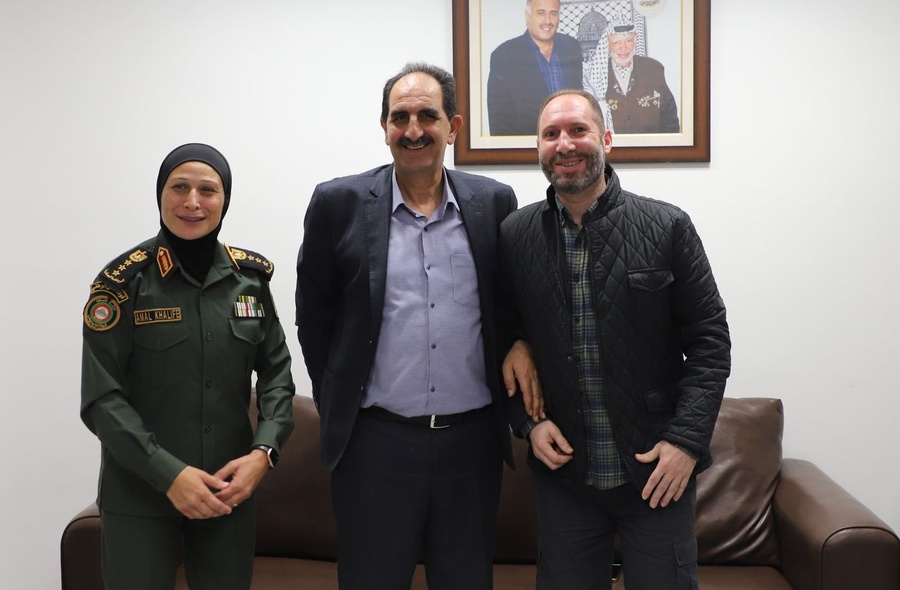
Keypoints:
(79, 551)
(828, 539)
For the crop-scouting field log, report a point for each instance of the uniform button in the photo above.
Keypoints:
(209, 384)
(207, 429)
(209, 336)
(570, 359)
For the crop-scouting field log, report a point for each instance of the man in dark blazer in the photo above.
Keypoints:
(527, 68)
(396, 280)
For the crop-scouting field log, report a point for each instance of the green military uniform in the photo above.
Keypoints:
(166, 373)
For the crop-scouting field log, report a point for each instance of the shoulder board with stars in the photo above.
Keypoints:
(244, 259)
(124, 267)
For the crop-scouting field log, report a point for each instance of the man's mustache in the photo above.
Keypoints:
(421, 142)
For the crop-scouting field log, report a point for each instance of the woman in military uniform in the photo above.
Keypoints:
(173, 330)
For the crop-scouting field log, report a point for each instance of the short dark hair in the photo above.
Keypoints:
(595, 107)
(443, 77)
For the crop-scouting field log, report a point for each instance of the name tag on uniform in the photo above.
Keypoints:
(248, 307)
(155, 316)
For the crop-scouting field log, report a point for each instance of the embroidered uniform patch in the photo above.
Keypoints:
(101, 287)
(248, 307)
(164, 261)
(101, 312)
(156, 316)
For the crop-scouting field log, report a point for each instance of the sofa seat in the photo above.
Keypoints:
(763, 522)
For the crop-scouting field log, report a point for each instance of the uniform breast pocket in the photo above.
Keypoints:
(159, 351)
(248, 334)
(465, 280)
(651, 291)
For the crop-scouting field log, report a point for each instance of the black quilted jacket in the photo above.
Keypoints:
(664, 339)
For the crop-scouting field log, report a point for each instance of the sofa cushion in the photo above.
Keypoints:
(735, 522)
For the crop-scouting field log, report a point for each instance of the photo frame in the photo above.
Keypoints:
(674, 32)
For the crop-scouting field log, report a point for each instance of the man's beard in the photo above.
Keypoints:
(594, 164)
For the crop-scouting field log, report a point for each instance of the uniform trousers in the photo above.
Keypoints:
(577, 526)
(142, 553)
(405, 493)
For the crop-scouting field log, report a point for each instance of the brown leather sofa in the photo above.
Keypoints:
(763, 523)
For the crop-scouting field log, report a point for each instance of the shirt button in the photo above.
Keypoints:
(432, 388)
(432, 305)
(209, 384)
(427, 267)
(207, 429)
(433, 346)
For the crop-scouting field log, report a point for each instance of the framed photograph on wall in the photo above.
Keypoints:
(646, 62)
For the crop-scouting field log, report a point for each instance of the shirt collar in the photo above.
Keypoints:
(448, 199)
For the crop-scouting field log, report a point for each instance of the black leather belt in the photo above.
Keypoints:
(433, 421)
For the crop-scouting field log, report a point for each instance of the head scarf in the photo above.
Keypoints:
(195, 255)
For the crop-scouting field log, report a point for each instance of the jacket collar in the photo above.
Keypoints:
(167, 262)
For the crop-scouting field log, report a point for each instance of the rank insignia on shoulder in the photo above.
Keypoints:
(121, 269)
(248, 259)
(247, 306)
(101, 311)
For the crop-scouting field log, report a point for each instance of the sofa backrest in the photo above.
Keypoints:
(735, 522)
(294, 515)
(734, 497)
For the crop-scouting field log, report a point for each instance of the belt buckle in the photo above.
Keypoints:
(432, 425)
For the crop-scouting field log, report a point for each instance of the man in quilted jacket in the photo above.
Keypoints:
(615, 294)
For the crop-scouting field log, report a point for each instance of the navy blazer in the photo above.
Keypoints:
(341, 270)
(516, 87)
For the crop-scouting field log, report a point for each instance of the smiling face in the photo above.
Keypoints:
(192, 200)
(572, 145)
(621, 48)
(417, 129)
(542, 19)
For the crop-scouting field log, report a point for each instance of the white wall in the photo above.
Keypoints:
(798, 208)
